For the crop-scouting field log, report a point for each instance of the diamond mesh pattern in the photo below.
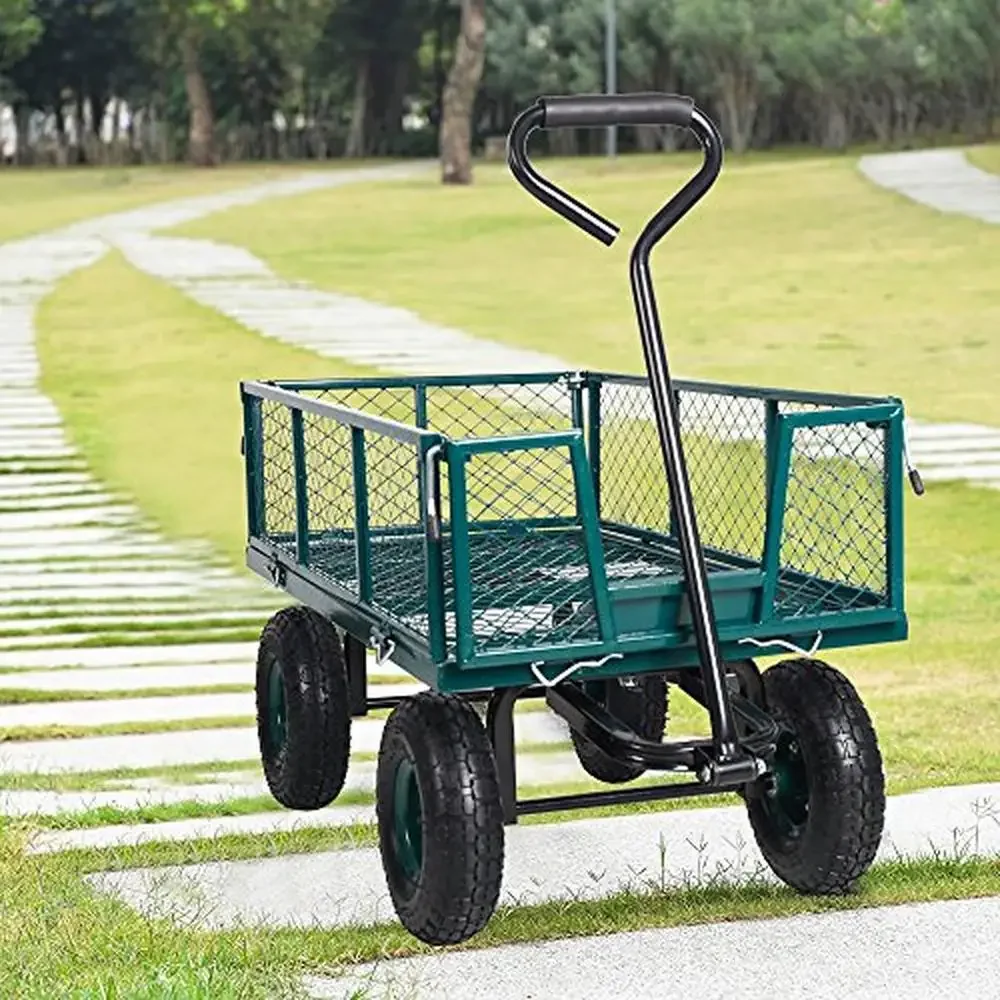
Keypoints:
(724, 446)
(833, 546)
(399, 585)
(531, 580)
(529, 584)
(279, 474)
(633, 485)
(834, 528)
(330, 491)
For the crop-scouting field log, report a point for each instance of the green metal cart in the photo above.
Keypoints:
(589, 539)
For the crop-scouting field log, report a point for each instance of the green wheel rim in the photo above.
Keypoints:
(787, 795)
(407, 823)
(277, 716)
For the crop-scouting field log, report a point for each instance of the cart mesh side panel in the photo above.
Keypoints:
(399, 582)
(478, 411)
(833, 543)
(724, 442)
(278, 475)
(531, 582)
(330, 499)
(395, 546)
(724, 447)
(633, 486)
(390, 402)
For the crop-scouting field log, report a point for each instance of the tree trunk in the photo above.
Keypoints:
(201, 129)
(460, 94)
(739, 108)
(359, 112)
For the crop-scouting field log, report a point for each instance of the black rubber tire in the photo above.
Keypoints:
(642, 708)
(834, 831)
(305, 748)
(453, 890)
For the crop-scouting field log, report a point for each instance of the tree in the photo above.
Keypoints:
(725, 46)
(460, 93)
(19, 30)
(186, 23)
(546, 47)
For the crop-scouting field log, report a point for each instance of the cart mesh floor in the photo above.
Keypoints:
(531, 586)
(528, 585)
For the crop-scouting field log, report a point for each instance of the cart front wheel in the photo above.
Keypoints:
(642, 707)
(303, 718)
(818, 815)
(439, 817)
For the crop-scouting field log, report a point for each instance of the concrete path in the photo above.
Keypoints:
(925, 951)
(943, 179)
(101, 753)
(546, 768)
(588, 858)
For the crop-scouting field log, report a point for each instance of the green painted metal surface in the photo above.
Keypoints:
(544, 536)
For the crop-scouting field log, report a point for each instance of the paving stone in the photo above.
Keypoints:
(133, 656)
(202, 829)
(129, 678)
(938, 178)
(580, 859)
(29, 803)
(104, 713)
(921, 952)
(99, 753)
(537, 769)
(164, 621)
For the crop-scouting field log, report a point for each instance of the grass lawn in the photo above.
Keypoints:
(148, 383)
(791, 260)
(986, 157)
(149, 392)
(33, 201)
(794, 271)
(58, 938)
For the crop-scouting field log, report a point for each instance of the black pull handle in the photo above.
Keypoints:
(598, 110)
(592, 111)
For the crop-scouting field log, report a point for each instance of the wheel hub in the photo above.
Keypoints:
(277, 712)
(787, 787)
(407, 826)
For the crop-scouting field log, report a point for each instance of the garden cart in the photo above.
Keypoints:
(589, 539)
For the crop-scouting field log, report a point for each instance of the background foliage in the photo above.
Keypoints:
(319, 78)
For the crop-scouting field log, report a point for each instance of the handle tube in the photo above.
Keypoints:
(599, 110)
(650, 109)
(543, 189)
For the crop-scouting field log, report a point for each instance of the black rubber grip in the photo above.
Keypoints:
(597, 110)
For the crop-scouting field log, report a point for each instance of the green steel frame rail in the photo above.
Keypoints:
(463, 666)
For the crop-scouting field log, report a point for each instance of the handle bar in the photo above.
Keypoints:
(649, 109)
(596, 110)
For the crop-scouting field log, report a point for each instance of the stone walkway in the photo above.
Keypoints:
(570, 860)
(939, 178)
(78, 564)
(945, 180)
(241, 286)
(937, 950)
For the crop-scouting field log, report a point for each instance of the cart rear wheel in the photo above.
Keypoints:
(439, 817)
(642, 708)
(818, 815)
(303, 718)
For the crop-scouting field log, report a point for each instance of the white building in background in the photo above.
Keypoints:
(42, 127)
(8, 133)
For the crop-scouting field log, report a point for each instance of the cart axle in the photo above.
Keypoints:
(594, 723)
